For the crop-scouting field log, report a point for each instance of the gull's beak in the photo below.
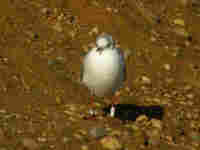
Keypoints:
(100, 50)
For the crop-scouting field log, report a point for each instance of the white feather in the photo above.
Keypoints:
(103, 70)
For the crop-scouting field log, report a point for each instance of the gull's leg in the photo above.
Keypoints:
(115, 101)
(92, 112)
(91, 105)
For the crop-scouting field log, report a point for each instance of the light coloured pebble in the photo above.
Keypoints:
(97, 132)
(181, 31)
(94, 31)
(169, 80)
(190, 95)
(167, 67)
(127, 53)
(111, 143)
(184, 2)
(58, 100)
(179, 22)
(72, 34)
(146, 80)
(65, 139)
(142, 118)
(58, 27)
(153, 39)
(3, 111)
(42, 139)
(154, 136)
(30, 144)
(156, 123)
(84, 147)
(1, 134)
(45, 10)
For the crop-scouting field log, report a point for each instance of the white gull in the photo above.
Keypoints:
(104, 70)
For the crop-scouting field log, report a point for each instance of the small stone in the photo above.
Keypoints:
(142, 118)
(78, 136)
(1, 134)
(58, 100)
(195, 136)
(84, 147)
(29, 143)
(61, 17)
(58, 27)
(179, 22)
(98, 132)
(111, 143)
(85, 48)
(167, 67)
(169, 80)
(153, 136)
(42, 139)
(72, 34)
(134, 127)
(190, 96)
(127, 53)
(156, 100)
(109, 9)
(156, 123)
(184, 2)
(94, 31)
(116, 133)
(146, 80)
(153, 39)
(45, 11)
(181, 31)
(3, 111)
(3, 148)
(65, 139)
(115, 10)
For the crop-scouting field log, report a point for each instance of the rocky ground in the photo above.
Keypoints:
(42, 45)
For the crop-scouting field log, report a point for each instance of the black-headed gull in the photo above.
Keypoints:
(104, 70)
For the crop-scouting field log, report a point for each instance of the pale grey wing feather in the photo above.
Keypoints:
(81, 72)
(123, 63)
(82, 67)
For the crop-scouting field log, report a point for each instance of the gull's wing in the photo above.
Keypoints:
(123, 63)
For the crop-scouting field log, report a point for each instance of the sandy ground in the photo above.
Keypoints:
(42, 45)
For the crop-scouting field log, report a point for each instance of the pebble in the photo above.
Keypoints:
(45, 11)
(58, 100)
(72, 34)
(156, 123)
(42, 139)
(84, 147)
(142, 118)
(190, 96)
(146, 80)
(58, 27)
(179, 22)
(29, 143)
(184, 2)
(195, 136)
(66, 139)
(111, 143)
(169, 80)
(94, 31)
(167, 67)
(98, 132)
(153, 136)
(1, 134)
(127, 53)
(181, 32)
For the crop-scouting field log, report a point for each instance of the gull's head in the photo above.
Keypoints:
(104, 41)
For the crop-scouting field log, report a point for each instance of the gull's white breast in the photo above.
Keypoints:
(103, 71)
